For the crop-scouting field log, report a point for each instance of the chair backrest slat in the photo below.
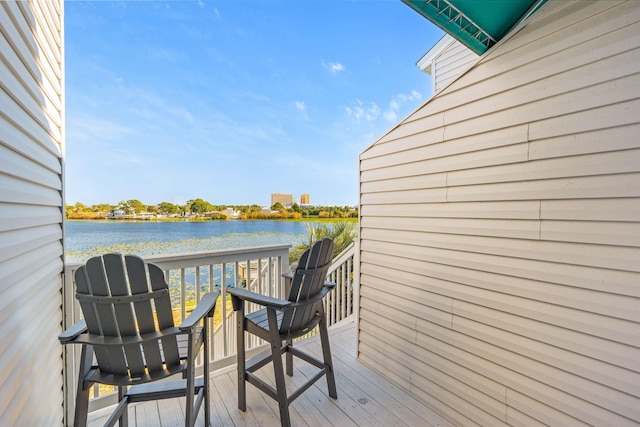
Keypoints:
(99, 285)
(126, 324)
(91, 316)
(144, 312)
(138, 282)
(164, 314)
(308, 280)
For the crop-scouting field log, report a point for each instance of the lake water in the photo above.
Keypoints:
(87, 238)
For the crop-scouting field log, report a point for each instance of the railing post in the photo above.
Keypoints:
(68, 352)
(284, 267)
(356, 285)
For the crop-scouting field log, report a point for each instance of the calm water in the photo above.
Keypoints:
(87, 238)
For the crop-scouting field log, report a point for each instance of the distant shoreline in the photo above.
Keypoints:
(205, 219)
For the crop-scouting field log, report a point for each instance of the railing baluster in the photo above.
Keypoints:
(197, 285)
(183, 294)
(349, 284)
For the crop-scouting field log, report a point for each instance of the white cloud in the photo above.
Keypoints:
(359, 111)
(295, 161)
(164, 54)
(372, 112)
(391, 114)
(95, 130)
(120, 155)
(333, 67)
(302, 107)
(413, 96)
(181, 113)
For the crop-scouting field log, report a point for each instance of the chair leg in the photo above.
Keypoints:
(82, 394)
(189, 413)
(289, 358)
(242, 386)
(278, 369)
(280, 385)
(326, 353)
(124, 417)
(82, 408)
(207, 374)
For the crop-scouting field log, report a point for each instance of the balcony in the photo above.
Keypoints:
(503, 213)
(364, 397)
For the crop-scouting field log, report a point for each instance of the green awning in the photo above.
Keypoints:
(478, 24)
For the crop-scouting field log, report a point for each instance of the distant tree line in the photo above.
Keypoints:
(199, 208)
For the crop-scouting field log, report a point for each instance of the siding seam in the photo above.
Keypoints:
(415, 342)
(528, 141)
(452, 312)
(539, 219)
(446, 187)
(506, 405)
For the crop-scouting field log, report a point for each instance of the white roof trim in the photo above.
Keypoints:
(426, 61)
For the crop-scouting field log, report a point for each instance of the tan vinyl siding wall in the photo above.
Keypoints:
(453, 61)
(31, 114)
(500, 231)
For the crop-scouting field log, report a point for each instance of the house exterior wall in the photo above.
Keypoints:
(451, 63)
(500, 231)
(446, 61)
(31, 206)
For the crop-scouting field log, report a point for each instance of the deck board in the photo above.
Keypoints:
(364, 397)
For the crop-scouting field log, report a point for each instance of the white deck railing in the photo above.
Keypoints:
(190, 275)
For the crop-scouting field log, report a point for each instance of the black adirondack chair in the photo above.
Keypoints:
(281, 321)
(128, 325)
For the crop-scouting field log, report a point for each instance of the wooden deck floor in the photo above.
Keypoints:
(364, 398)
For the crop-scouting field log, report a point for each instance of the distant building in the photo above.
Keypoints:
(304, 199)
(284, 199)
(231, 213)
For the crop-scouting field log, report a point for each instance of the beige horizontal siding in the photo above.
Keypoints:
(451, 63)
(15, 216)
(550, 386)
(510, 73)
(603, 321)
(500, 230)
(484, 254)
(31, 240)
(489, 210)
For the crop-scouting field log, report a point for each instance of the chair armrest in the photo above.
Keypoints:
(204, 308)
(102, 341)
(328, 284)
(328, 287)
(73, 331)
(263, 300)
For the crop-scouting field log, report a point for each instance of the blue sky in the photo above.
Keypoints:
(230, 101)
